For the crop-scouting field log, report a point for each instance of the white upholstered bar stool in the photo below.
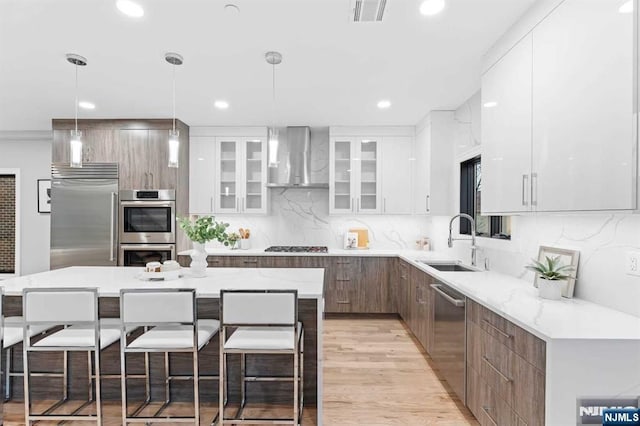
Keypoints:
(76, 309)
(267, 323)
(169, 315)
(12, 337)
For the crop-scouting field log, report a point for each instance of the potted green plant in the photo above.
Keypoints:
(553, 274)
(233, 238)
(201, 229)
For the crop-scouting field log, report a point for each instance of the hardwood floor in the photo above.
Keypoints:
(374, 374)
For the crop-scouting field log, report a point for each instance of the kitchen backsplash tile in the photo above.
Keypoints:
(301, 217)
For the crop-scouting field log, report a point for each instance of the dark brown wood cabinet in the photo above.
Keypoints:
(421, 306)
(141, 149)
(505, 370)
(402, 290)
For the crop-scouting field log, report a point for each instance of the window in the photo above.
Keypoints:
(470, 203)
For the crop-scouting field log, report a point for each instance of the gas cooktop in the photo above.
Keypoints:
(298, 249)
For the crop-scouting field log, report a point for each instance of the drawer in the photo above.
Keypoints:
(486, 405)
(513, 379)
(515, 338)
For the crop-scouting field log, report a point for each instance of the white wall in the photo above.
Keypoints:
(30, 152)
(602, 239)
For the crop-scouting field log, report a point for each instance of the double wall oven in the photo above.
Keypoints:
(147, 226)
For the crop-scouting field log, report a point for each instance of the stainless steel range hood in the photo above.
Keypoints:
(290, 160)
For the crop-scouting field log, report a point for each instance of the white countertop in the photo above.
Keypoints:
(518, 301)
(332, 252)
(110, 280)
(511, 297)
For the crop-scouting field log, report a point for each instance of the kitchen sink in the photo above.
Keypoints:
(449, 266)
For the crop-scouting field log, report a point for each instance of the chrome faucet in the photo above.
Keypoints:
(474, 248)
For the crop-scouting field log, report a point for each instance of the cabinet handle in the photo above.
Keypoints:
(502, 333)
(494, 368)
(353, 205)
(153, 180)
(242, 203)
(534, 189)
(343, 302)
(146, 180)
(384, 205)
(525, 178)
(428, 206)
(358, 201)
(211, 204)
(343, 280)
(343, 262)
(236, 204)
(250, 261)
(486, 412)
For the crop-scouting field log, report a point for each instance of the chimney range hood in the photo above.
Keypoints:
(290, 160)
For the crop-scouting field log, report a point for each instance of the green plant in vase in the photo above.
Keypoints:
(553, 274)
(233, 239)
(200, 230)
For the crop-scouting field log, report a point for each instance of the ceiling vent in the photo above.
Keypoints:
(368, 10)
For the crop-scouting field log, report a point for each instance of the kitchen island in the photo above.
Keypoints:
(309, 283)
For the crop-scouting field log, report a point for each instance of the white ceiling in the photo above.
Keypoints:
(333, 72)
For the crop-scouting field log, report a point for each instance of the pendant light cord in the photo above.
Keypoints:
(273, 118)
(76, 106)
(174, 98)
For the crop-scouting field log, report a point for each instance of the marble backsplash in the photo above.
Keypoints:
(301, 217)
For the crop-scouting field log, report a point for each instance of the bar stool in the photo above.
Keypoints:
(77, 310)
(13, 334)
(267, 323)
(172, 314)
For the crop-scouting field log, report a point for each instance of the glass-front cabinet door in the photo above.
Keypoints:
(254, 198)
(228, 176)
(241, 176)
(368, 200)
(341, 189)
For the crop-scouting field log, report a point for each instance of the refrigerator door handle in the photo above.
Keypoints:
(112, 230)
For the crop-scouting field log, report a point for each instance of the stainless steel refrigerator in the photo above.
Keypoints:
(84, 215)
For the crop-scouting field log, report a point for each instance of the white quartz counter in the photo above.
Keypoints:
(511, 297)
(110, 280)
(518, 301)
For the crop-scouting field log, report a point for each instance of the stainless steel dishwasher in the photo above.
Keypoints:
(449, 337)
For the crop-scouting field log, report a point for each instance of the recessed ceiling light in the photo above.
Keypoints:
(231, 9)
(221, 104)
(86, 105)
(431, 7)
(130, 8)
(626, 7)
(384, 104)
(490, 104)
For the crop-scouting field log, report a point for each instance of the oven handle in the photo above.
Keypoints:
(456, 302)
(171, 247)
(148, 203)
(112, 226)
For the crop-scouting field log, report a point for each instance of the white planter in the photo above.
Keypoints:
(198, 260)
(245, 244)
(549, 289)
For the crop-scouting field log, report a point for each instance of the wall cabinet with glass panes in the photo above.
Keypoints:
(240, 180)
(370, 175)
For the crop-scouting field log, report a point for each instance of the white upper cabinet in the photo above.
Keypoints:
(201, 174)
(506, 132)
(241, 175)
(583, 94)
(434, 154)
(354, 175)
(370, 174)
(397, 167)
(558, 125)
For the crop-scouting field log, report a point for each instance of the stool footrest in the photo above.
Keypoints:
(268, 379)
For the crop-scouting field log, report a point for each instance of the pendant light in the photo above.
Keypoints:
(75, 143)
(273, 58)
(174, 134)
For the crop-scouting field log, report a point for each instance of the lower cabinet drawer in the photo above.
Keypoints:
(488, 407)
(514, 380)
